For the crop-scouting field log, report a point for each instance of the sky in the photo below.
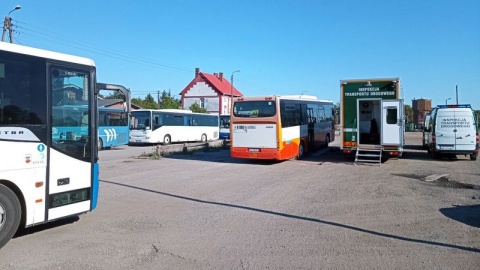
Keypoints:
(281, 47)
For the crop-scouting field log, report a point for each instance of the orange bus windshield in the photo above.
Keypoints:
(254, 109)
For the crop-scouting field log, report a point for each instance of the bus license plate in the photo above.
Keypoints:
(254, 150)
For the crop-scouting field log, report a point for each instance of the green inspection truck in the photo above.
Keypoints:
(371, 118)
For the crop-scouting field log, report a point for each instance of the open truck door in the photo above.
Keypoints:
(392, 122)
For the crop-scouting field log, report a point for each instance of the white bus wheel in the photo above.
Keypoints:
(167, 139)
(204, 137)
(10, 212)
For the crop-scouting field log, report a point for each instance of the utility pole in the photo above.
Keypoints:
(7, 25)
(158, 99)
(231, 90)
(456, 90)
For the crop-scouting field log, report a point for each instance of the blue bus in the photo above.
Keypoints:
(224, 127)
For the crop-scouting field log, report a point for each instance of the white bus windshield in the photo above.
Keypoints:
(140, 120)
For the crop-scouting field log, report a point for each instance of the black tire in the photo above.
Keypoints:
(10, 213)
(473, 157)
(327, 140)
(167, 139)
(100, 144)
(301, 151)
(434, 155)
(204, 138)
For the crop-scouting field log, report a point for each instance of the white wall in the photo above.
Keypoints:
(211, 104)
(202, 90)
(226, 103)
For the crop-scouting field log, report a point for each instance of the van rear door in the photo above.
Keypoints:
(455, 129)
(445, 124)
(465, 133)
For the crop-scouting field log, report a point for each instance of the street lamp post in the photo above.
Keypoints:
(7, 24)
(17, 7)
(446, 101)
(231, 90)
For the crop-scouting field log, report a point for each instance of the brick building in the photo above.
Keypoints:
(420, 107)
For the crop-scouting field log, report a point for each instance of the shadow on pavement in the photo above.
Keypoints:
(469, 215)
(217, 155)
(47, 226)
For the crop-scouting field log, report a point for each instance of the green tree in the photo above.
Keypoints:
(196, 108)
(336, 111)
(147, 103)
(167, 101)
(111, 95)
(408, 113)
(478, 115)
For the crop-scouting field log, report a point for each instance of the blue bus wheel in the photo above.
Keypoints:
(100, 144)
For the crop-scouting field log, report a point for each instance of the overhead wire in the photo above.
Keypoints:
(108, 52)
(75, 43)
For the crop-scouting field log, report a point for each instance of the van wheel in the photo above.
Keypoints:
(167, 139)
(100, 144)
(204, 138)
(301, 151)
(473, 157)
(10, 212)
(327, 140)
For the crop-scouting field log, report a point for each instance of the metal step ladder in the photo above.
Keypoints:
(369, 156)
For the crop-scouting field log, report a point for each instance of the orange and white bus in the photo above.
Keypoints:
(280, 127)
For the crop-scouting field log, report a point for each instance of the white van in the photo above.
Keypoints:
(453, 130)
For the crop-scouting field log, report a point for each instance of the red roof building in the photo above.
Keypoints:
(211, 92)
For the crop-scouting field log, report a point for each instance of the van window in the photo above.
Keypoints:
(391, 116)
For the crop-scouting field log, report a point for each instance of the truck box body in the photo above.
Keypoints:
(372, 115)
(453, 130)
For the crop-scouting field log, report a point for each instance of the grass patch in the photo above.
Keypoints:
(158, 152)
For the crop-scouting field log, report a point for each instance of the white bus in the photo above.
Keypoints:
(42, 177)
(172, 125)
